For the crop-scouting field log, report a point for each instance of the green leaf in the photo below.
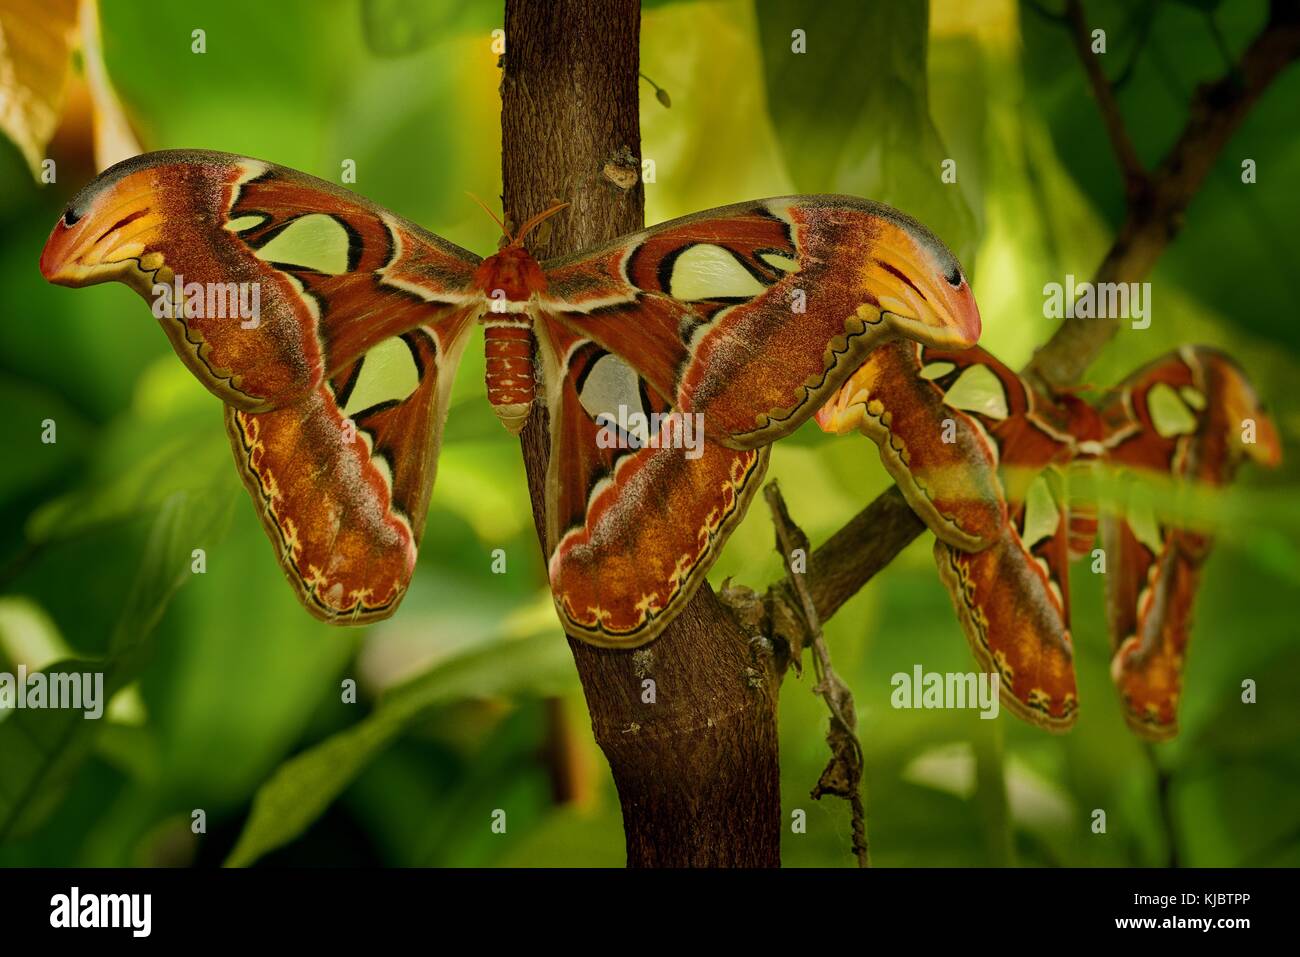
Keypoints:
(40, 749)
(239, 621)
(398, 27)
(1234, 255)
(852, 111)
(37, 465)
(185, 518)
(155, 467)
(300, 791)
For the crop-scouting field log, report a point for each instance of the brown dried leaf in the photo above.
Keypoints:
(114, 138)
(36, 41)
(37, 38)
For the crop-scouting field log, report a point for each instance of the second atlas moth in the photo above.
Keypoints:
(987, 462)
(1194, 416)
(741, 321)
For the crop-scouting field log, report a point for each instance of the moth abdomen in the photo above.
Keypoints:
(511, 384)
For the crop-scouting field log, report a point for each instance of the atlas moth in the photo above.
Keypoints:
(998, 499)
(335, 397)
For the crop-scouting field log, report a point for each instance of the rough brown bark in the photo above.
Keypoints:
(697, 770)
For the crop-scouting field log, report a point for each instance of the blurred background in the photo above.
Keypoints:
(467, 701)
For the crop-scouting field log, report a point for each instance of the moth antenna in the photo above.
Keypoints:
(536, 221)
(487, 209)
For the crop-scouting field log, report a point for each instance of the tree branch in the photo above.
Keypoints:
(853, 555)
(1217, 110)
(696, 762)
(1136, 180)
(843, 774)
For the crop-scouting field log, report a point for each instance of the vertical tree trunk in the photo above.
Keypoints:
(697, 769)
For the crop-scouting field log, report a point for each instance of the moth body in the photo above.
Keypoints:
(511, 384)
(509, 279)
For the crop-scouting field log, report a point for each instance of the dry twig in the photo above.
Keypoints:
(843, 774)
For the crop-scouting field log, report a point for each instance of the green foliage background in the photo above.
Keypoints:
(228, 694)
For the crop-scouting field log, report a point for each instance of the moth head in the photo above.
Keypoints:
(106, 232)
(512, 269)
(921, 286)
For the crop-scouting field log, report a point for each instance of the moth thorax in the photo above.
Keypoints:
(511, 385)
